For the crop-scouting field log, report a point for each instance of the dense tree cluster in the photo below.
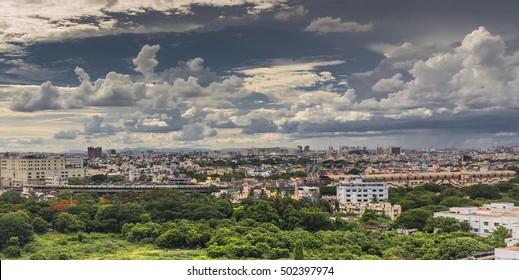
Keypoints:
(265, 228)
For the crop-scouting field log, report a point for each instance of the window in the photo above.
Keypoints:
(496, 224)
(485, 223)
(475, 229)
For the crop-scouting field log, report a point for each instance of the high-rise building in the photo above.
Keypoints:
(306, 148)
(393, 150)
(96, 152)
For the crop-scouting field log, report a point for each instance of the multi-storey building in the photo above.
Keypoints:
(306, 192)
(93, 153)
(457, 179)
(483, 220)
(358, 208)
(357, 190)
(507, 253)
(32, 170)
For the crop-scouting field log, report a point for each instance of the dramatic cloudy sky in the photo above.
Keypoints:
(241, 73)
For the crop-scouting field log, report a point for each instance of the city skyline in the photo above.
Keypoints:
(237, 74)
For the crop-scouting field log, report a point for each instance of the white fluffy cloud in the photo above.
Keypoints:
(44, 98)
(328, 25)
(477, 75)
(392, 84)
(416, 87)
(96, 127)
(194, 132)
(145, 61)
(114, 90)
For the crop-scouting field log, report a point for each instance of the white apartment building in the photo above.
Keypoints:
(485, 219)
(507, 253)
(359, 191)
(31, 170)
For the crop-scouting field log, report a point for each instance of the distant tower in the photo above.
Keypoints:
(393, 150)
(307, 148)
(96, 152)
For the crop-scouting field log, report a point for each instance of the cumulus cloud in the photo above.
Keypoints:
(114, 90)
(477, 75)
(154, 123)
(195, 132)
(328, 25)
(415, 87)
(44, 98)
(392, 84)
(95, 127)
(146, 60)
(192, 68)
(67, 134)
(260, 125)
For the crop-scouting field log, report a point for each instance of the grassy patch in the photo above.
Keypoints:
(99, 246)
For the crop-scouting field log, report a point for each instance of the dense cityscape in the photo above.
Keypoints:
(384, 196)
(259, 139)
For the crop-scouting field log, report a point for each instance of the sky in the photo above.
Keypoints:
(222, 74)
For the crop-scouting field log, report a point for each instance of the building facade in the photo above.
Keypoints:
(94, 152)
(457, 179)
(357, 190)
(306, 192)
(483, 220)
(358, 208)
(31, 170)
(508, 253)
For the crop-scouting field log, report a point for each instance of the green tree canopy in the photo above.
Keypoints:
(445, 224)
(414, 218)
(498, 235)
(15, 224)
(12, 197)
(299, 250)
(461, 247)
